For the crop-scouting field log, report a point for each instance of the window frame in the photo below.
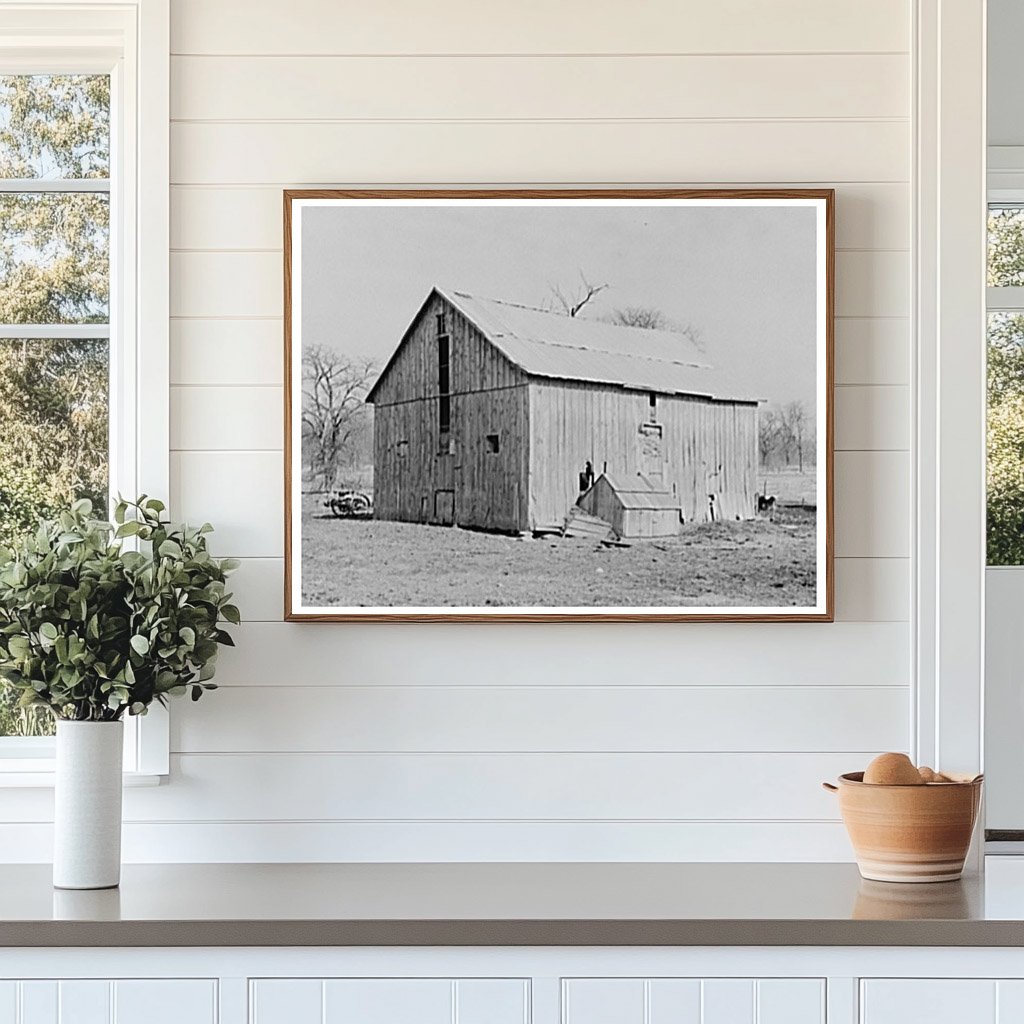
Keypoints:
(130, 41)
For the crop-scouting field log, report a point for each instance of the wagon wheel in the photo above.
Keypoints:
(337, 506)
(358, 504)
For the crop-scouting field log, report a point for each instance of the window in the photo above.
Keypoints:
(444, 405)
(652, 405)
(54, 293)
(1005, 478)
(83, 262)
(493, 444)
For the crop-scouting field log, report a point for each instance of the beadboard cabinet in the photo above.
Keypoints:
(513, 985)
(105, 1001)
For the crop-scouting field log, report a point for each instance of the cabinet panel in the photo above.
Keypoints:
(286, 1001)
(84, 1002)
(787, 1001)
(100, 1001)
(693, 1001)
(8, 1002)
(492, 1002)
(727, 1001)
(603, 1001)
(165, 1002)
(388, 1001)
(38, 1002)
(935, 1001)
(674, 1001)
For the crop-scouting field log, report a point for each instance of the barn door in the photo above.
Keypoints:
(444, 508)
(652, 460)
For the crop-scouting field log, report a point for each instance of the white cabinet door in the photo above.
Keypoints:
(693, 1001)
(109, 1002)
(942, 1001)
(389, 1001)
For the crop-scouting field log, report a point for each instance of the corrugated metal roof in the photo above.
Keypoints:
(546, 344)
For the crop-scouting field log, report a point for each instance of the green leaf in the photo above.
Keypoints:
(232, 614)
(170, 549)
(140, 644)
(48, 631)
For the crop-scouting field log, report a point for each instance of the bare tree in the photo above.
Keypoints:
(769, 428)
(647, 317)
(334, 389)
(571, 302)
(797, 422)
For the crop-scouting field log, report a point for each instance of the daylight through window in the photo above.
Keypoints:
(1005, 486)
(54, 307)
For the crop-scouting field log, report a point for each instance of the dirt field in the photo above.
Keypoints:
(348, 563)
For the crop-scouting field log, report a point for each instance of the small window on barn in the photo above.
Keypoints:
(442, 326)
(652, 403)
(403, 449)
(493, 444)
(444, 383)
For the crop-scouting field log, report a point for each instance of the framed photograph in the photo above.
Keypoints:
(564, 405)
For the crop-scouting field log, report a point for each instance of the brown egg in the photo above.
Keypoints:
(892, 770)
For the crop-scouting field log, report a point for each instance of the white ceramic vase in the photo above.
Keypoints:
(87, 808)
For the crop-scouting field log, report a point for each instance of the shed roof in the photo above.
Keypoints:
(639, 492)
(546, 344)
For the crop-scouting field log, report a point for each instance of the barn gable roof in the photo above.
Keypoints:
(551, 345)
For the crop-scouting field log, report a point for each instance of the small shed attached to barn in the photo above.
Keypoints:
(634, 507)
(488, 412)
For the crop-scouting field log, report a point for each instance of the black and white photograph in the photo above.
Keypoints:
(530, 405)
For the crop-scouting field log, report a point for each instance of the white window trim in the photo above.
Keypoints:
(949, 443)
(130, 40)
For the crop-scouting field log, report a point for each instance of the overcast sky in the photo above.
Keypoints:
(743, 277)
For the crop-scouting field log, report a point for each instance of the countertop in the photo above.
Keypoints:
(559, 904)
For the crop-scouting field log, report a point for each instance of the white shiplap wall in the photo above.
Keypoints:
(689, 741)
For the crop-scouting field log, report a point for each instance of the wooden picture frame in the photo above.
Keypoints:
(547, 364)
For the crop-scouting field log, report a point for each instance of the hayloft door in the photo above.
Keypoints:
(652, 462)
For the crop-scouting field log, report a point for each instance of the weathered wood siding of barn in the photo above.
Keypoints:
(412, 475)
(572, 423)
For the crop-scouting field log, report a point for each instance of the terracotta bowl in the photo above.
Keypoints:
(909, 833)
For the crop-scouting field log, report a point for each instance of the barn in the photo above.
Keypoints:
(497, 416)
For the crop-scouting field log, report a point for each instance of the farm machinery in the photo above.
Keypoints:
(349, 504)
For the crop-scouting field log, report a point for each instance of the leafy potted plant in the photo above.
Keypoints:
(92, 632)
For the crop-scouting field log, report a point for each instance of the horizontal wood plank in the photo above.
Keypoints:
(872, 350)
(869, 351)
(236, 284)
(242, 418)
(219, 417)
(241, 493)
(227, 352)
(751, 654)
(375, 787)
(349, 718)
(873, 284)
(534, 26)
(873, 590)
(872, 418)
(728, 152)
(460, 842)
(868, 216)
(872, 504)
(537, 88)
(867, 590)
